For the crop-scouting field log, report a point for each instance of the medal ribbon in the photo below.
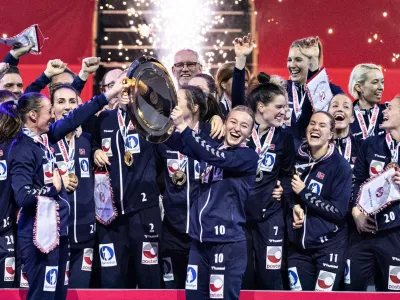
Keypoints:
(44, 142)
(183, 158)
(267, 143)
(68, 157)
(122, 127)
(360, 118)
(393, 149)
(296, 105)
(347, 151)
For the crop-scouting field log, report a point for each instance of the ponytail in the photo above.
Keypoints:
(14, 116)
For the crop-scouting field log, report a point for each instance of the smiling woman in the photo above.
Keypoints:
(366, 85)
(304, 61)
(318, 235)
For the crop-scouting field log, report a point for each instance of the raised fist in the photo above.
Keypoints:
(54, 67)
(90, 64)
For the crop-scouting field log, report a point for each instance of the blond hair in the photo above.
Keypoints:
(359, 75)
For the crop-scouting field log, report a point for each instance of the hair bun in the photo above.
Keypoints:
(263, 78)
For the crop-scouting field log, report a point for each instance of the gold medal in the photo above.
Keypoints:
(128, 158)
(179, 178)
(73, 177)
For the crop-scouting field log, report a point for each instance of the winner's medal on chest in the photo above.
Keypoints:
(131, 142)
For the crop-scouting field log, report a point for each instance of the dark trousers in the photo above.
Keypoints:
(45, 272)
(373, 255)
(318, 269)
(128, 250)
(265, 241)
(215, 270)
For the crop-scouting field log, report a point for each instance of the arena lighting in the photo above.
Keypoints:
(159, 28)
(182, 24)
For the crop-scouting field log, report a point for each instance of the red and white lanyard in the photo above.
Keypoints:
(297, 106)
(347, 151)
(393, 149)
(261, 151)
(183, 158)
(43, 141)
(69, 156)
(122, 127)
(370, 131)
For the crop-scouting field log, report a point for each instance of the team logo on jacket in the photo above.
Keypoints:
(50, 279)
(66, 279)
(168, 273)
(315, 187)
(82, 151)
(274, 258)
(320, 175)
(24, 279)
(394, 278)
(132, 143)
(347, 272)
(172, 166)
(150, 253)
(84, 165)
(106, 146)
(294, 279)
(62, 168)
(325, 281)
(217, 286)
(9, 269)
(376, 167)
(107, 255)
(87, 259)
(268, 162)
(196, 170)
(191, 277)
(3, 170)
(48, 173)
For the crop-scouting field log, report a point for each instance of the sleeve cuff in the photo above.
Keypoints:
(11, 60)
(53, 192)
(240, 62)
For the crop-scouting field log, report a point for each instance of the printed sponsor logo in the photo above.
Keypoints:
(191, 277)
(217, 286)
(150, 253)
(50, 279)
(325, 281)
(107, 255)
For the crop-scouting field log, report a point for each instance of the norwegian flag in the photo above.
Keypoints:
(81, 151)
(320, 175)
(272, 147)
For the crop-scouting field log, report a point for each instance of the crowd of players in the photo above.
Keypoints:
(255, 189)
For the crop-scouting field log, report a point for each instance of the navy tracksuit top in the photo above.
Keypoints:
(178, 200)
(134, 187)
(355, 127)
(375, 155)
(279, 163)
(218, 214)
(7, 203)
(27, 160)
(82, 217)
(325, 199)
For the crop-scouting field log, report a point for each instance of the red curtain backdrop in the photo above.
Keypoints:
(353, 22)
(68, 26)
